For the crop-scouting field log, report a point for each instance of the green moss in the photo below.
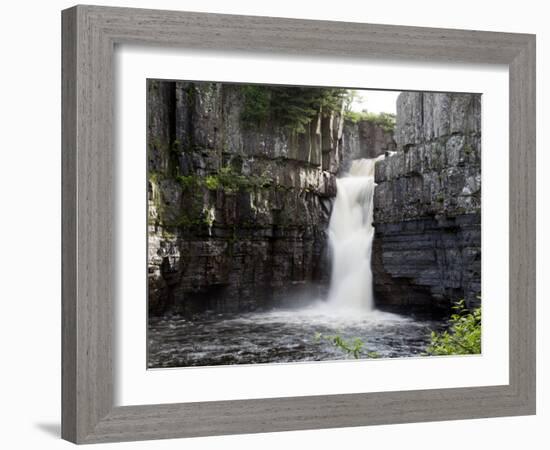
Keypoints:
(230, 181)
(189, 182)
(196, 209)
(187, 221)
(212, 183)
(168, 234)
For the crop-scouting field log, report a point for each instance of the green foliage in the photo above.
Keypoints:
(187, 221)
(256, 105)
(189, 182)
(290, 106)
(196, 210)
(212, 182)
(354, 116)
(226, 179)
(463, 336)
(353, 347)
(350, 97)
(231, 181)
(386, 121)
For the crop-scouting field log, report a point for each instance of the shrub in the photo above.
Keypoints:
(352, 347)
(463, 336)
(188, 182)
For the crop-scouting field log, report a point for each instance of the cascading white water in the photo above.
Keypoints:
(350, 238)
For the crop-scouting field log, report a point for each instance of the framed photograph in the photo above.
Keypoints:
(264, 230)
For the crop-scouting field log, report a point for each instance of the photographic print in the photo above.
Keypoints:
(290, 224)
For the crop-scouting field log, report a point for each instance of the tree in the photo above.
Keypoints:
(293, 107)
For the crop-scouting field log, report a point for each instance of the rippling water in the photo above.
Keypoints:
(281, 336)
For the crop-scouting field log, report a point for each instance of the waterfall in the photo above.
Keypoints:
(350, 239)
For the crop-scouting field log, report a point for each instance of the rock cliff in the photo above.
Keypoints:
(427, 203)
(364, 139)
(237, 214)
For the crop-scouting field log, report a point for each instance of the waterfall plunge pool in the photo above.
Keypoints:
(292, 335)
(282, 336)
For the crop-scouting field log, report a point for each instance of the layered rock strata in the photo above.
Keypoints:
(237, 214)
(364, 139)
(427, 204)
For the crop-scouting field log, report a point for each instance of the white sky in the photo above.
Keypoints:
(375, 101)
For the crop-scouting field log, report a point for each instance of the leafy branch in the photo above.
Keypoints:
(463, 336)
(353, 347)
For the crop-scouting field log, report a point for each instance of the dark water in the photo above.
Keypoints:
(281, 336)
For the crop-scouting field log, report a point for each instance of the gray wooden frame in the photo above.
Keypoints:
(89, 36)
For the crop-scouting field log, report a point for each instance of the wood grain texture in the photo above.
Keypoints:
(68, 225)
(89, 36)
(523, 223)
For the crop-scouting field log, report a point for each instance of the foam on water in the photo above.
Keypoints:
(288, 335)
(350, 237)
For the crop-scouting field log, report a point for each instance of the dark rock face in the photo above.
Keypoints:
(237, 214)
(427, 203)
(364, 139)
